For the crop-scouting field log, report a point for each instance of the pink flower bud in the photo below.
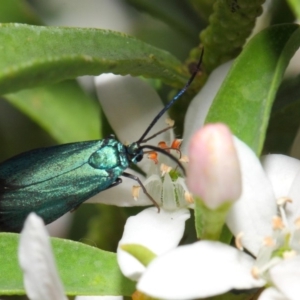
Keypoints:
(213, 171)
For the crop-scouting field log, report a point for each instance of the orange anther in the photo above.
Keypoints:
(153, 156)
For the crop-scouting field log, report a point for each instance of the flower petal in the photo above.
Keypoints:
(121, 194)
(271, 294)
(286, 277)
(61, 226)
(281, 171)
(130, 105)
(252, 213)
(201, 103)
(41, 279)
(200, 270)
(160, 232)
(293, 209)
(169, 196)
(284, 174)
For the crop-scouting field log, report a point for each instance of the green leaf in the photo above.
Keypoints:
(177, 15)
(281, 13)
(204, 8)
(238, 295)
(63, 110)
(295, 6)
(246, 96)
(37, 55)
(84, 270)
(104, 217)
(18, 133)
(17, 11)
(284, 121)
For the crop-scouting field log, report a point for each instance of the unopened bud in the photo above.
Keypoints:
(213, 172)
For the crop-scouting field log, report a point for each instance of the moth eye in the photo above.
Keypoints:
(139, 157)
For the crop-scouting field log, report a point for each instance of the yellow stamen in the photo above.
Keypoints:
(284, 200)
(269, 241)
(165, 169)
(135, 192)
(170, 122)
(188, 197)
(184, 159)
(297, 223)
(176, 143)
(277, 223)
(153, 156)
(163, 145)
(255, 272)
(238, 241)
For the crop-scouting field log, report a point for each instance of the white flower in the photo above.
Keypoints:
(136, 103)
(130, 105)
(179, 274)
(250, 215)
(41, 279)
(262, 185)
(200, 270)
(159, 232)
(223, 268)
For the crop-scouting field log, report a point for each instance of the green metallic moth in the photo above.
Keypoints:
(52, 181)
(55, 180)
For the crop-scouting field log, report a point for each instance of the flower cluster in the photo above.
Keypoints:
(261, 197)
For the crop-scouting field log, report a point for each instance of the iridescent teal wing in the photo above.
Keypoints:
(52, 181)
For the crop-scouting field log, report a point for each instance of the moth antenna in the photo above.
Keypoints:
(179, 94)
(156, 134)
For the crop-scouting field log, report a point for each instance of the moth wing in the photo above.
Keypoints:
(42, 164)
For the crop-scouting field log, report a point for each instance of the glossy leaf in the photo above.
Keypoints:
(281, 13)
(178, 15)
(17, 11)
(63, 110)
(284, 121)
(18, 133)
(37, 55)
(84, 270)
(295, 6)
(246, 96)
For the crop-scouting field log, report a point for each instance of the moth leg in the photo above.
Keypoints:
(117, 182)
(128, 175)
(75, 208)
